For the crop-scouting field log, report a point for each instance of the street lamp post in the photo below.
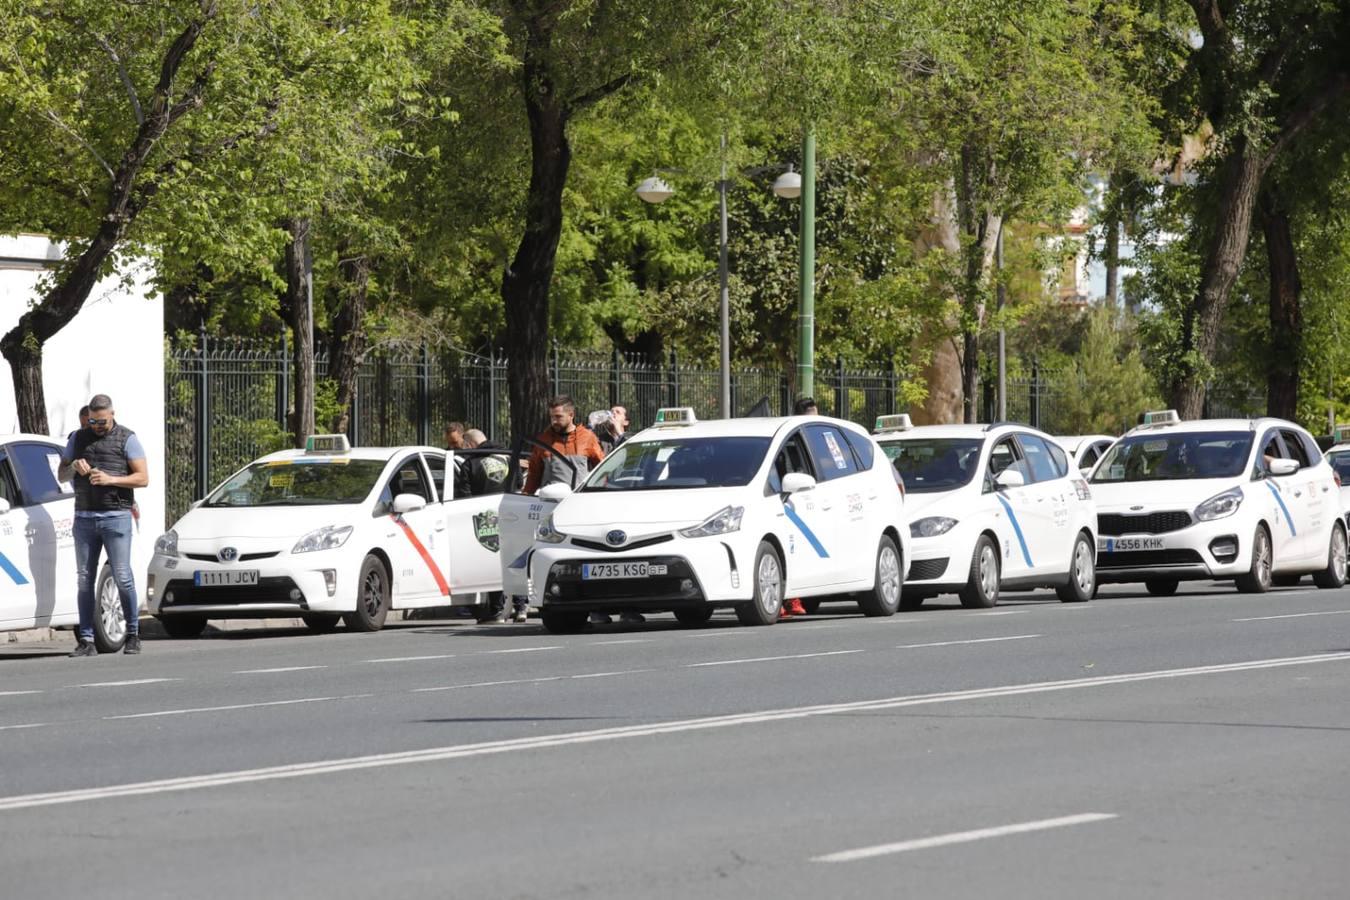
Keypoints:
(791, 185)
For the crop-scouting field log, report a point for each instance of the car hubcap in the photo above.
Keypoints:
(1338, 553)
(374, 593)
(988, 572)
(770, 584)
(110, 611)
(888, 571)
(1263, 558)
(1083, 569)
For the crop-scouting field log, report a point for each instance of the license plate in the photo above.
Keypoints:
(1129, 544)
(599, 571)
(229, 578)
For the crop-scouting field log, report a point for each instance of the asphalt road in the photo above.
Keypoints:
(1193, 746)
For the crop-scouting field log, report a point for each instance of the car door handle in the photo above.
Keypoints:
(440, 526)
(1298, 493)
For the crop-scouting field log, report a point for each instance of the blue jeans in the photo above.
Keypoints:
(93, 535)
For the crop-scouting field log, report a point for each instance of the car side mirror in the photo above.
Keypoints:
(797, 481)
(555, 491)
(1283, 466)
(1009, 478)
(406, 503)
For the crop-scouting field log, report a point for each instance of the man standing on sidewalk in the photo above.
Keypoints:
(107, 462)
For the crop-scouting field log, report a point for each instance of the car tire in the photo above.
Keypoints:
(694, 615)
(372, 597)
(1082, 585)
(888, 576)
(321, 623)
(1257, 579)
(110, 624)
(184, 626)
(981, 590)
(1162, 587)
(767, 599)
(563, 621)
(1333, 576)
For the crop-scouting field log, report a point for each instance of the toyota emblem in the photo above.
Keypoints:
(228, 554)
(616, 537)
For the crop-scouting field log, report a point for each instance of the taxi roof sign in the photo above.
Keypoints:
(1341, 433)
(1161, 417)
(327, 443)
(898, 422)
(675, 415)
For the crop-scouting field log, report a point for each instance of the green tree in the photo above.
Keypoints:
(1114, 383)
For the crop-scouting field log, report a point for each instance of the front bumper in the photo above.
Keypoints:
(288, 584)
(1217, 549)
(940, 564)
(696, 572)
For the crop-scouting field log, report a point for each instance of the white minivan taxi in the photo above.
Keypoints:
(691, 516)
(1252, 500)
(991, 507)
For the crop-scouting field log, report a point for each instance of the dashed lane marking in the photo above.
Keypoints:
(521, 650)
(127, 683)
(1011, 637)
(963, 837)
(17, 693)
(278, 669)
(234, 706)
(758, 659)
(393, 659)
(1330, 612)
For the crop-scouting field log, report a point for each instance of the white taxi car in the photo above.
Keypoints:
(37, 547)
(329, 533)
(690, 516)
(1247, 499)
(991, 507)
(1338, 457)
(1085, 449)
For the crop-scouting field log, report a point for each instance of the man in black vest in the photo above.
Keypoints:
(107, 462)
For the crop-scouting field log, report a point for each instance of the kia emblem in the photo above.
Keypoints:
(228, 554)
(616, 537)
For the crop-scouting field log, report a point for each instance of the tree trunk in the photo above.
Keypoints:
(1239, 181)
(1112, 260)
(942, 374)
(1286, 313)
(300, 304)
(347, 342)
(526, 282)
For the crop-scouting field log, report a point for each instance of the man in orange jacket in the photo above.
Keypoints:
(568, 442)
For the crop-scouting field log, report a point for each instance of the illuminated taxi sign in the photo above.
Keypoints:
(1341, 434)
(900, 422)
(327, 443)
(675, 415)
(1161, 417)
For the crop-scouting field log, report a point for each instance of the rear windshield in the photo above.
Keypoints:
(680, 463)
(1175, 456)
(934, 464)
(324, 481)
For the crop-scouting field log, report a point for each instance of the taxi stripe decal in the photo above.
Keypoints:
(1017, 529)
(807, 532)
(426, 557)
(1280, 500)
(11, 570)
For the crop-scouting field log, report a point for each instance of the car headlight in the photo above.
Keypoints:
(724, 521)
(1219, 506)
(329, 537)
(167, 543)
(931, 526)
(548, 534)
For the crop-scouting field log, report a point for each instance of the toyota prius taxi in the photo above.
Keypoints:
(691, 516)
(1251, 500)
(991, 507)
(329, 533)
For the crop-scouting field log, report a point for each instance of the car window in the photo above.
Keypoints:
(1003, 455)
(1340, 463)
(830, 452)
(679, 462)
(299, 481)
(1058, 457)
(411, 478)
(1175, 456)
(1090, 456)
(8, 492)
(793, 458)
(930, 465)
(35, 465)
(436, 463)
(1295, 449)
(864, 448)
(1038, 459)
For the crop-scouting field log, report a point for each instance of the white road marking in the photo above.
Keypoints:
(278, 669)
(17, 727)
(206, 709)
(17, 693)
(737, 662)
(567, 739)
(632, 641)
(1003, 612)
(610, 674)
(388, 659)
(521, 650)
(962, 837)
(127, 683)
(477, 684)
(1330, 612)
(1011, 637)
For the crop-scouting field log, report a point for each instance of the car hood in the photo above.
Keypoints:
(641, 512)
(249, 523)
(1125, 497)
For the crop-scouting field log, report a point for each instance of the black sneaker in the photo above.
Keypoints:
(84, 649)
(133, 645)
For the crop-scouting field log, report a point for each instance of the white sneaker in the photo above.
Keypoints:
(521, 615)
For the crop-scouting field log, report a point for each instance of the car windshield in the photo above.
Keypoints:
(1175, 456)
(934, 464)
(1340, 464)
(680, 463)
(299, 482)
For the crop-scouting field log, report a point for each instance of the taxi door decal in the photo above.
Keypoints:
(11, 570)
(806, 532)
(1280, 500)
(426, 557)
(1017, 529)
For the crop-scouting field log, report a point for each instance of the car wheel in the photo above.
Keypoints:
(1162, 587)
(1082, 584)
(110, 624)
(884, 597)
(321, 623)
(1333, 576)
(563, 621)
(981, 590)
(1257, 579)
(768, 597)
(372, 597)
(694, 615)
(184, 626)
